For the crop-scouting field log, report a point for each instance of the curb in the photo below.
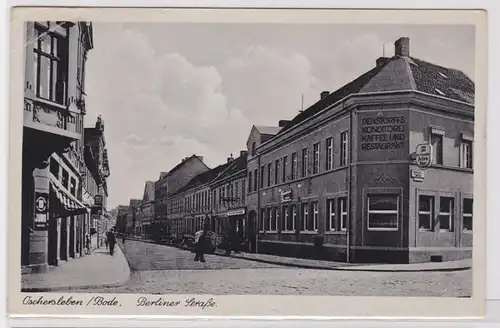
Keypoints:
(353, 267)
(70, 288)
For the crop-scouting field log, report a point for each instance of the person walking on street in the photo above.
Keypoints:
(111, 239)
(87, 244)
(200, 247)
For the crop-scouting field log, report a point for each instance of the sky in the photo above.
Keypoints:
(170, 90)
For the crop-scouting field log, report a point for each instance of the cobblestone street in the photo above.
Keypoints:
(159, 269)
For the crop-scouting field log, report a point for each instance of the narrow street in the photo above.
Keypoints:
(158, 269)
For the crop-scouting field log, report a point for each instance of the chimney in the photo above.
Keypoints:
(402, 46)
(282, 123)
(324, 94)
(230, 158)
(382, 60)
(243, 153)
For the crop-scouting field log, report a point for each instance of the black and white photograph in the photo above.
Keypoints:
(235, 158)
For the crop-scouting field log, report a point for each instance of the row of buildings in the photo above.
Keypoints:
(64, 164)
(380, 170)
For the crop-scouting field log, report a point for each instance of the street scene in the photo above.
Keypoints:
(270, 164)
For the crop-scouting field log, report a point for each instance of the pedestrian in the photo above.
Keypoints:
(106, 239)
(87, 244)
(200, 247)
(111, 240)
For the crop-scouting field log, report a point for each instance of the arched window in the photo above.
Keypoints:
(253, 148)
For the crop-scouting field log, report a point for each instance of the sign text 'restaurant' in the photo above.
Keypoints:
(383, 133)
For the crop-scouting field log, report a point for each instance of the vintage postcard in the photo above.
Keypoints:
(233, 162)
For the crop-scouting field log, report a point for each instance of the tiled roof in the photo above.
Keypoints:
(272, 130)
(399, 73)
(203, 178)
(178, 166)
(236, 166)
(441, 81)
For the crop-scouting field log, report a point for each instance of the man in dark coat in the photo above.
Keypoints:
(111, 241)
(200, 247)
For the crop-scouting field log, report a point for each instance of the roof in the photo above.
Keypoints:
(203, 178)
(178, 166)
(399, 73)
(271, 130)
(236, 166)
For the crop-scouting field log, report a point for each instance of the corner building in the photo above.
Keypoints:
(339, 181)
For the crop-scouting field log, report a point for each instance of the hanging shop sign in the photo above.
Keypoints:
(98, 200)
(423, 155)
(286, 196)
(41, 211)
(236, 212)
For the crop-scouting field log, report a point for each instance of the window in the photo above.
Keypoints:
(383, 212)
(446, 213)
(466, 154)
(285, 223)
(329, 154)
(255, 180)
(437, 148)
(253, 148)
(316, 158)
(315, 212)
(330, 219)
(262, 169)
(268, 174)
(304, 162)
(249, 182)
(293, 174)
(342, 207)
(344, 150)
(285, 166)
(294, 217)
(269, 222)
(276, 171)
(305, 217)
(50, 60)
(262, 223)
(467, 214)
(276, 219)
(243, 191)
(425, 212)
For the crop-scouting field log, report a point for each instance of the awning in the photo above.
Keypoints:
(65, 203)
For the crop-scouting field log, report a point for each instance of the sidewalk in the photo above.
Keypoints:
(96, 270)
(342, 266)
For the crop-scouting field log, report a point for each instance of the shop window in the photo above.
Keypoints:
(466, 154)
(275, 223)
(467, 214)
(316, 158)
(285, 167)
(329, 154)
(315, 215)
(305, 217)
(294, 173)
(305, 163)
(425, 212)
(344, 150)
(294, 217)
(330, 213)
(262, 221)
(50, 56)
(342, 208)
(446, 209)
(437, 146)
(269, 174)
(276, 171)
(383, 212)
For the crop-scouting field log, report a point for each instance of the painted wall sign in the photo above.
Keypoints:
(417, 176)
(383, 133)
(236, 212)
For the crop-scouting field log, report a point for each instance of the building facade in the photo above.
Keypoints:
(229, 215)
(168, 184)
(53, 215)
(97, 162)
(147, 209)
(340, 181)
(121, 218)
(133, 216)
